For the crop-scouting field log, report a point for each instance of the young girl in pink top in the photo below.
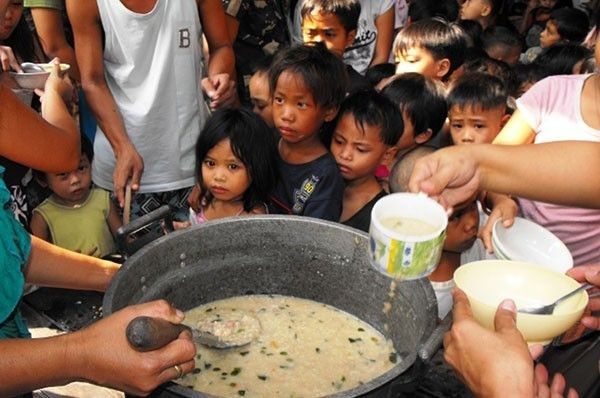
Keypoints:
(235, 163)
(561, 108)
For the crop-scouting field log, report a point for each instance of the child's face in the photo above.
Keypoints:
(327, 28)
(473, 125)
(12, 16)
(261, 97)
(419, 60)
(473, 9)
(462, 229)
(357, 151)
(549, 35)
(548, 3)
(223, 174)
(72, 188)
(296, 115)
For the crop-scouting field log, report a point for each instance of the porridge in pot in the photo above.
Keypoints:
(304, 349)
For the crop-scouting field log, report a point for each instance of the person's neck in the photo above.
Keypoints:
(224, 208)
(68, 203)
(140, 6)
(449, 262)
(301, 152)
(367, 185)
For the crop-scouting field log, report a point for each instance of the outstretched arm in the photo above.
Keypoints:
(549, 172)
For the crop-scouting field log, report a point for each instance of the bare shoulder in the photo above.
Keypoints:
(82, 11)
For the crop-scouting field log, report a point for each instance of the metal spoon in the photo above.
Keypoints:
(30, 67)
(549, 309)
(147, 334)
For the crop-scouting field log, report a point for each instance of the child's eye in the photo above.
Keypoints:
(209, 163)
(456, 125)
(302, 105)
(479, 126)
(362, 150)
(233, 166)
(278, 100)
(62, 176)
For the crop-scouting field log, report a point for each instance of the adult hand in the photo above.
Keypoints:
(505, 209)
(554, 390)
(58, 82)
(221, 90)
(105, 357)
(450, 178)
(128, 170)
(491, 363)
(591, 274)
(8, 59)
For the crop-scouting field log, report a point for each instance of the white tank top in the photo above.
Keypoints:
(153, 67)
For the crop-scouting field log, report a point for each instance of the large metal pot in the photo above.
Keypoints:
(295, 256)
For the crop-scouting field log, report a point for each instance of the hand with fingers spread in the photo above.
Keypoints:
(556, 389)
(491, 363)
(590, 274)
(107, 359)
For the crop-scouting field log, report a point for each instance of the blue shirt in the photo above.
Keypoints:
(15, 248)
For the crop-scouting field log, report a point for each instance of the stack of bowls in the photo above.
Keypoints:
(528, 241)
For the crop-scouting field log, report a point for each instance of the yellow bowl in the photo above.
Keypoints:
(486, 283)
(33, 80)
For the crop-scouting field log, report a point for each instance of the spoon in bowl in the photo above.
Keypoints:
(30, 67)
(549, 309)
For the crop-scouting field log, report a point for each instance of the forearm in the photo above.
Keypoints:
(553, 172)
(222, 60)
(53, 266)
(28, 364)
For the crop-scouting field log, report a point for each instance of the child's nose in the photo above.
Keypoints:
(287, 113)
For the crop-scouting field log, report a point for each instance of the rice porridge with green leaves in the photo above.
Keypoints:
(305, 349)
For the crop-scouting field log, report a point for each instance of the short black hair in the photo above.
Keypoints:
(403, 168)
(441, 38)
(377, 73)
(500, 36)
(322, 72)
(572, 24)
(494, 67)
(421, 98)
(425, 9)
(368, 107)
(560, 59)
(262, 65)
(525, 73)
(479, 90)
(347, 11)
(473, 31)
(252, 142)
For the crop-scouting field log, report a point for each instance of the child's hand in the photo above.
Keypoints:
(503, 208)
(58, 82)
(8, 59)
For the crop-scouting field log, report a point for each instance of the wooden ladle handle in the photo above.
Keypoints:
(145, 333)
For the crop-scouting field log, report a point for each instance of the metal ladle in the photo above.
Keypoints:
(549, 309)
(147, 333)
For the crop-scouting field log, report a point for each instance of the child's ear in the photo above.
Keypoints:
(390, 154)
(504, 119)
(331, 113)
(486, 10)
(423, 137)
(442, 68)
(350, 36)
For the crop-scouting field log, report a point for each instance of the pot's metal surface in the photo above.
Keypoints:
(295, 256)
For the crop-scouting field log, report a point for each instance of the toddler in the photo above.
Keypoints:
(76, 216)
(367, 130)
(334, 23)
(431, 47)
(235, 163)
(307, 83)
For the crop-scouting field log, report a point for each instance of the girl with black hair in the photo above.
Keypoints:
(235, 163)
(15, 33)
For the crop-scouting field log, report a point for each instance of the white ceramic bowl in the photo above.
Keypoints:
(486, 283)
(528, 241)
(33, 80)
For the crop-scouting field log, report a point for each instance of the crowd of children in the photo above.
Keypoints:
(322, 128)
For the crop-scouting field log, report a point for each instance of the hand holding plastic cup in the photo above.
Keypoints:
(406, 236)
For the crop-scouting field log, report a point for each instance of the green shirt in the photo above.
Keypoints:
(56, 4)
(15, 248)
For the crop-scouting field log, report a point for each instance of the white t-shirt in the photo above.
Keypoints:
(152, 65)
(552, 107)
(360, 53)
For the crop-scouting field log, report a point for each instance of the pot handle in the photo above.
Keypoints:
(434, 341)
(127, 247)
(146, 334)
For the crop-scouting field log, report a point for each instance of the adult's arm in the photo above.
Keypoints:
(385, 36)
(516, 131)
(53, 266)
(550, 172)
(220, 83)
(87, 29)
(99, 354)
(49, 27)
(28, 139)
